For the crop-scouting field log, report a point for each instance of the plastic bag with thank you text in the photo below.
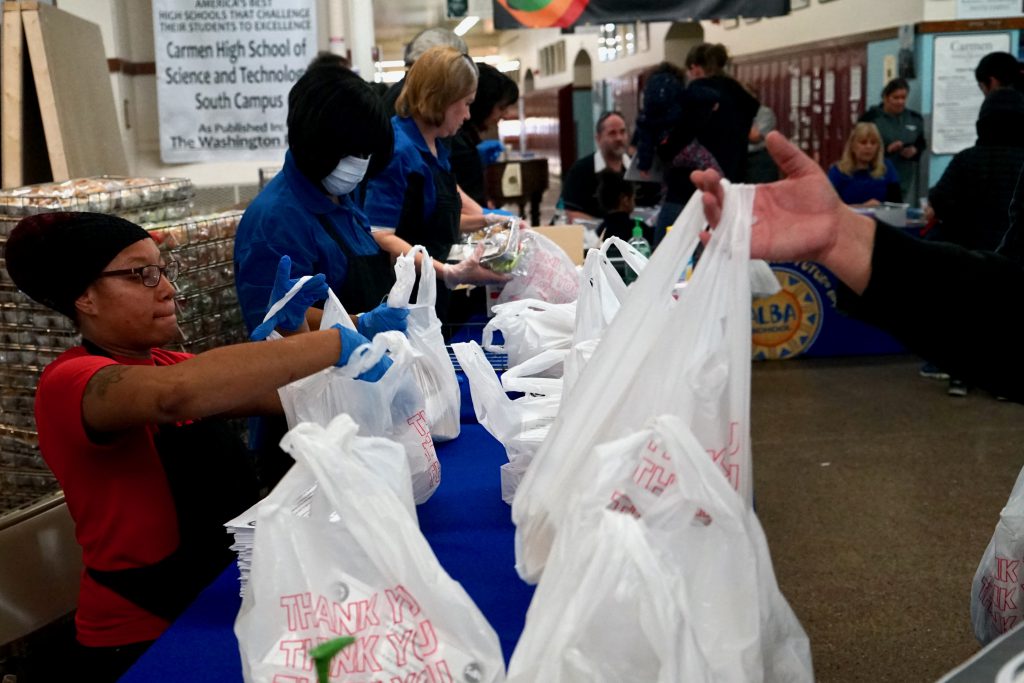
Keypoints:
(355, 565)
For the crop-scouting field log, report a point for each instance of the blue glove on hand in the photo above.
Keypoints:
(489, 151)
(350, 341)
(382, 319)
(292, 315)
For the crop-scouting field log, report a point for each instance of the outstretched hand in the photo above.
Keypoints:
(794, 218)
(800, 217)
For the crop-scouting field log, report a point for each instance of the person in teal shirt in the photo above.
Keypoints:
(902, 132)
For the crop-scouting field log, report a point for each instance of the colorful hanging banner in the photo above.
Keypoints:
(566, 13)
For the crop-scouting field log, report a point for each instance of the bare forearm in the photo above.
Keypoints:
(232, 380)
(235, 378)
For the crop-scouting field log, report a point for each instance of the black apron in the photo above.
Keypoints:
(368, 279)
(438, 232)
(211, 479)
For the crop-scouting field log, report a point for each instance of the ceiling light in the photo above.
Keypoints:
(466, 24)
(390, 64)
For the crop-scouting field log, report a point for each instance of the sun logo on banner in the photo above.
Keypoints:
(787, 323)
(545, 13)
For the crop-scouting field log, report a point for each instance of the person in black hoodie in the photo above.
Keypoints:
(718, 114)
(972, 199)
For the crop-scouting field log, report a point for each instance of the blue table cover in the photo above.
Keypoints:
(467, 524)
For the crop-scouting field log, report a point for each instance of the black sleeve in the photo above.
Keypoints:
(577, 193)
(946, 199)
(467, 167)
(1013, 241)
(949, 305)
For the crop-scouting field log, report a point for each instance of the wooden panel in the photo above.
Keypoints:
(10, 109)
(76, 100)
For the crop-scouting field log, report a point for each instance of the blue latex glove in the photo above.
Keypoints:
(350, 341)
(489, 151)
(382, 319)
(501, 212)
(292, 315)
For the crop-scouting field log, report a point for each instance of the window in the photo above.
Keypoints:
(616, 41)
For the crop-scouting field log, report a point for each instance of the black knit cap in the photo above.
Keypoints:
(54, 257)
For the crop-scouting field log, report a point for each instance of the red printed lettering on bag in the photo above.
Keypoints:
(401, 600)
(723, 456)
(432, 673)
(1006, 569)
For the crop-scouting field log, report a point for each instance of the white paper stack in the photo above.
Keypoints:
(243, 528)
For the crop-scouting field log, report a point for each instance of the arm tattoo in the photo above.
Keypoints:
(104, 379)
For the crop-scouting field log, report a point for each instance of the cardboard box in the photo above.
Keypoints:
(568, 237)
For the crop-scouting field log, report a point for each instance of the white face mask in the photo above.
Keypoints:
(347, 175)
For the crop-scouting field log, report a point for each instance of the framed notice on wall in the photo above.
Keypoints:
(223, 74)
(956, 97)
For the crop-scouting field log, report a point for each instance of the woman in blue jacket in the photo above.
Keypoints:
(863, 176)
(415, 200)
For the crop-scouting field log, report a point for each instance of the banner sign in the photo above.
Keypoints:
(566, 13)
(223, 70)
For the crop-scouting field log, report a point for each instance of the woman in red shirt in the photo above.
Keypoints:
(132, 431)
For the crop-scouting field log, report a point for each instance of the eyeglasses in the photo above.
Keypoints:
(150, 274)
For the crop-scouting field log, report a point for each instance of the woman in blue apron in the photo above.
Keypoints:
(133, 432)
(415, 199)
(338, 133)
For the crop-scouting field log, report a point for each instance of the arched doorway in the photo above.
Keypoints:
(680, 38)
(528, 82)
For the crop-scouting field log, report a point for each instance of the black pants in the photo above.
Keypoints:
(106, 664)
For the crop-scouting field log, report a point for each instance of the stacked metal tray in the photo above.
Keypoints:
(208, 312)
(31, 335)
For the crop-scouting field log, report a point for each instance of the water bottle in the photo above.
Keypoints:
(638, 242)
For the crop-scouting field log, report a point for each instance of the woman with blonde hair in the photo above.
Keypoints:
(863, 176)
(415, 199)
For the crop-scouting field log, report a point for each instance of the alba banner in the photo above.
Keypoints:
(566, 13)
(224, 69)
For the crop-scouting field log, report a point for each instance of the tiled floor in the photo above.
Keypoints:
(878, 494)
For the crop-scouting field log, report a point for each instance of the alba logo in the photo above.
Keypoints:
(545, 13)
(787, 323)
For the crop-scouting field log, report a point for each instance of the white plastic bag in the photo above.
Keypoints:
(354, 564)
(549, 273)
(685, 353)
(432, 367)
(604, 613)
(762, 279)
(392, 407)
(997, 599)
(602, 291)
(528, 327)
(661, 546)
(520, 425)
